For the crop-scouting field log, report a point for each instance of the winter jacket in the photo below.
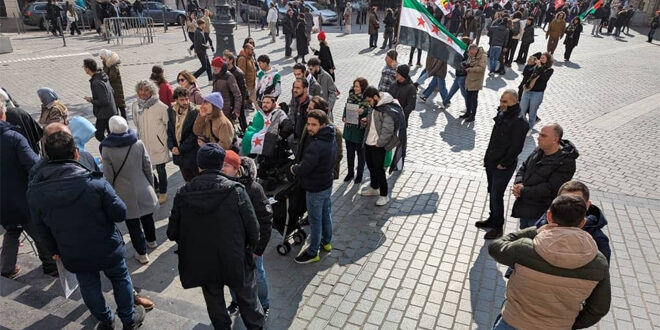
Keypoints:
(507, 138)
(387, 78)
(314, 88)
(133, 183)
(499, 34)
(16, 160)
(103, 99)
(166, 93)
(436, 67)
(325, 56)
(302, 43)
(188, 147)
(355, 133)
(573, 35)
(215, 127)
(543, 75)
(560, 280)
(328, 88)
(541, 177)
(316, 169)
(384, 122)
(247, 65)
(474, 81)
(55, 112)
(289, 25)
(389, 23)
(298, 116)
(74, 211)
(373, 24)
(215, 226)
(304, 142)
(601, 13)
(556, 28)
(517, 21)
(406, 94)
(240, 81)
(528, 34)
(151, 124)
(26, 125)
(111, 68)
(226, 84)
(199, 42)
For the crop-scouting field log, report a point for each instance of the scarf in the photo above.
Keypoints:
(180, 115)
(114, 140)
(145, 104)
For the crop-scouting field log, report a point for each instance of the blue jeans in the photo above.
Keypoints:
(442, 88)
(373, 40)
(527, 222)
(530, 103)
(459, 83)
(500, 324)
(90, 289)
(262, 284)
(422, 77)
(494, 57)
(319, 205)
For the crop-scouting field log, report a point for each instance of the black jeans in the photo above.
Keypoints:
(137, 236)
(206, 66)
(207, 36)
(353, 149)
(388, 37)
(288, 39)
(651, 33)
(248, 305)
(188, 173)
(471, 102)
(412, 53)
(11, 243)
(497, 182)
(191, 37)
(512, 51)
(122, 112)
(74, 28)
(523, 52)
(375, 157)
(568, 52)
(101, 128)
(160, 182)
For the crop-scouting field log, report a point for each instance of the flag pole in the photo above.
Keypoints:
(398, 29)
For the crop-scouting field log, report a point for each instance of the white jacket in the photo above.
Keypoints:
(272, 15)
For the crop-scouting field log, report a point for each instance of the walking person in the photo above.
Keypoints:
(289, 29)
(165, 90)
(191, 27)
(535, 88)
(620, 21)
(72, 19)
(199, 41)
(354, 132)
(302, 42)
(207, 28)
(225, 83)
(506, 142)
(347, 18)
(187, 81)
(52, 111)
(573, 32)
(373, 28)
(271, 19)
(111, 63)
(76, 211)
(324, 55)
(459, 81)
(655, 21)
(316, 172)
(526, 40)
(388, 34)
(126, 166)
(54, 16)
(474, 81)
(437, 69)
(213, 216)
(150, 118)
(181, 140)
(555, 31)
(102, 99)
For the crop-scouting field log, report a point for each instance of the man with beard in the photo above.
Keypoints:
(298, 111)
(242, 85)
(300, 72)
(225, 83)
(328, 88)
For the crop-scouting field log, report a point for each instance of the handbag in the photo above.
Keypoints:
(115, 174)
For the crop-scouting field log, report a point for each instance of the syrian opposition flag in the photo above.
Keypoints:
(444, 5)
(591, 10)
(255, 135)
(421, 30)
(559, 4)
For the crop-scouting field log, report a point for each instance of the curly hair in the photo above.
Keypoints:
(148, 85)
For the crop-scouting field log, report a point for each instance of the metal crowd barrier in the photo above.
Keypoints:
(116, 29)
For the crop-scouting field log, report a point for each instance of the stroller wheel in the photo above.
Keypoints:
(283, 249)
(297, 238)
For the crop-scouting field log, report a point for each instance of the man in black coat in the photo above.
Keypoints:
(102, 99)
(230, 59)
(200, 46)
(26, 125)
(536, 184)
(214, 223)
(289, 29)
(506, 142)
(404, 90)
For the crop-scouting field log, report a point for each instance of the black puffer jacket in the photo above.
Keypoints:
(216, 228)
(541, 177)
(507, 139)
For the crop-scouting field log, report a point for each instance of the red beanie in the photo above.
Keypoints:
(321, 36)
(218, 62)
(232, 159)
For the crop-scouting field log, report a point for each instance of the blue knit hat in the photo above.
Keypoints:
(46, 95)
(210, 156)
(215, 98)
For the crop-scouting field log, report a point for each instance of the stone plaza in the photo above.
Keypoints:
(418, 262)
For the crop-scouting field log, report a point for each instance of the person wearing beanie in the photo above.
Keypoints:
(404, 91)
(212, 125)
(214, 213)
(244, 170)
(126, 166)
(325, 56)
(52, 111)
(111, 68)
(165, 90)
(225, 83)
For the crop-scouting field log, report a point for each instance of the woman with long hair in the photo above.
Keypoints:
(556, 31)
(188, 81)
(354, 133)
(207, 28)
(573, 32)
(535, 87)
(72, 18)
(325, 56)
(165, 90)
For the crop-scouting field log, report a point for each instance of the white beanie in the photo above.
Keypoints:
(104, 53)
(118, 125)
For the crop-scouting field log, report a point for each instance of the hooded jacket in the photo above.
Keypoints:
(385, 122)
(16, 160)
(26, 125)
(499, 34)
(215, 127)
(103, 100)
(560, 280)
(187, 157)
(557, 26)
(226, 84)
(507, 138)
(215, 226)
(55, 112)
(474, 81)
(111, 68)
(406, 93)
(316, 169)
(541, 177)
(74, 211)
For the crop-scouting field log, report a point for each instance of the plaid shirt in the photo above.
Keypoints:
(387, 78)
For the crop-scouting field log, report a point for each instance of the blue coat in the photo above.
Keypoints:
(74, 211)
(16, 159)
(316, 169)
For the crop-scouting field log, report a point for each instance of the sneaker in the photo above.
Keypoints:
(348, 177)
(142, 258)
(162, 198)
(138, 318)
(370, 192)
(142, 301)
(422, 99)
(490, 74)
(266, 310)
(483, 224)
(494, 233)
(12, 275)
(305, 258)
(304, 221)
(382, 200)
(327, 247)
(232, 309)
(152, 245)
(105, 326)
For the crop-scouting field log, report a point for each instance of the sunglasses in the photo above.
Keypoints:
(182, 80)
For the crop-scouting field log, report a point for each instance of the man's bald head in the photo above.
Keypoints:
(54, 128)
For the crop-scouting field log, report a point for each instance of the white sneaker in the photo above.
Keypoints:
(370, 192)
(142, 258)
(382, 200)
(152, 245)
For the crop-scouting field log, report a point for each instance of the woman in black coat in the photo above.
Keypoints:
(572, 37)
(302, 44)
(325, 56)
(526, 40)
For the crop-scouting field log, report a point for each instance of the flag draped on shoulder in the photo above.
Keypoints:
(256, 137)
(421, 30)
(591, 10)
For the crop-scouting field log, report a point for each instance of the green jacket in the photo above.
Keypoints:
(355, 133)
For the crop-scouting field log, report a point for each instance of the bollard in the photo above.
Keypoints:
(185, 35)
(164, 20)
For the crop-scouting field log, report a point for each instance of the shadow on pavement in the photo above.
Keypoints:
(495, 83)
(458, 137)
(487, 288)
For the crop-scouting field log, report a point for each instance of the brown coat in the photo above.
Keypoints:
(556, 28)
(373, 23)
(215, 128)
(57, 113)
(247, 65)
(475, 75)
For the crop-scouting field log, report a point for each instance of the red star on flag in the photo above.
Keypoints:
(420, 21)
(267, 123)
(257, 142)
(449, 40)
(435, 29)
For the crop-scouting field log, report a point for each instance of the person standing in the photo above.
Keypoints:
(599, 15)
(556, 31)
(324, 55)
(474, 81)
(373, 28)
(211, 125)
(535, 87)
(506, 142)
(347, 18)
(150, 118)
(381, 135)
(191, 26)
(298, 111)
(187, 81)
(527, 73)
(207, 28)
(165, 90)
(245, 61)
(620, 21)
(499, 36)
(388, 34)
(388, 74)
(328, 88)
(271, 19)
(655, 21)
(127, 168)
(181, 140)
(268, 80)
(235, 71)
(54, 16)
(111, 63)
(354, 132)
(516, 32)
(52, 111)
(200, 46)
(316, 172)
(102, 99)
(539, 177)
(289, 30)
(75, 212)
(225, 83)
(23, 122)
(526, 40)
(215, 226)
(404, 91)
(302, 41)
(573, 32)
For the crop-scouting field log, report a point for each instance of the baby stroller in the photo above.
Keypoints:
(289, 206)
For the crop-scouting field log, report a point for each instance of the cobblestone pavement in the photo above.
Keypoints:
(418, 262)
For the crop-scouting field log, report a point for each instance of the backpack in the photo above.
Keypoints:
(516, 29)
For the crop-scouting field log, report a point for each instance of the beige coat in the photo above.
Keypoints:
(215, 127)
(557, 27)
(151, 126)
(475, 76)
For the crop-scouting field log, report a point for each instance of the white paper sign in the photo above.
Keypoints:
(352, 114)
(68, 280)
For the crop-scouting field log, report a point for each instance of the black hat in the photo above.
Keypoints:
(210, 157)
(537, 55)
(403, 70)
